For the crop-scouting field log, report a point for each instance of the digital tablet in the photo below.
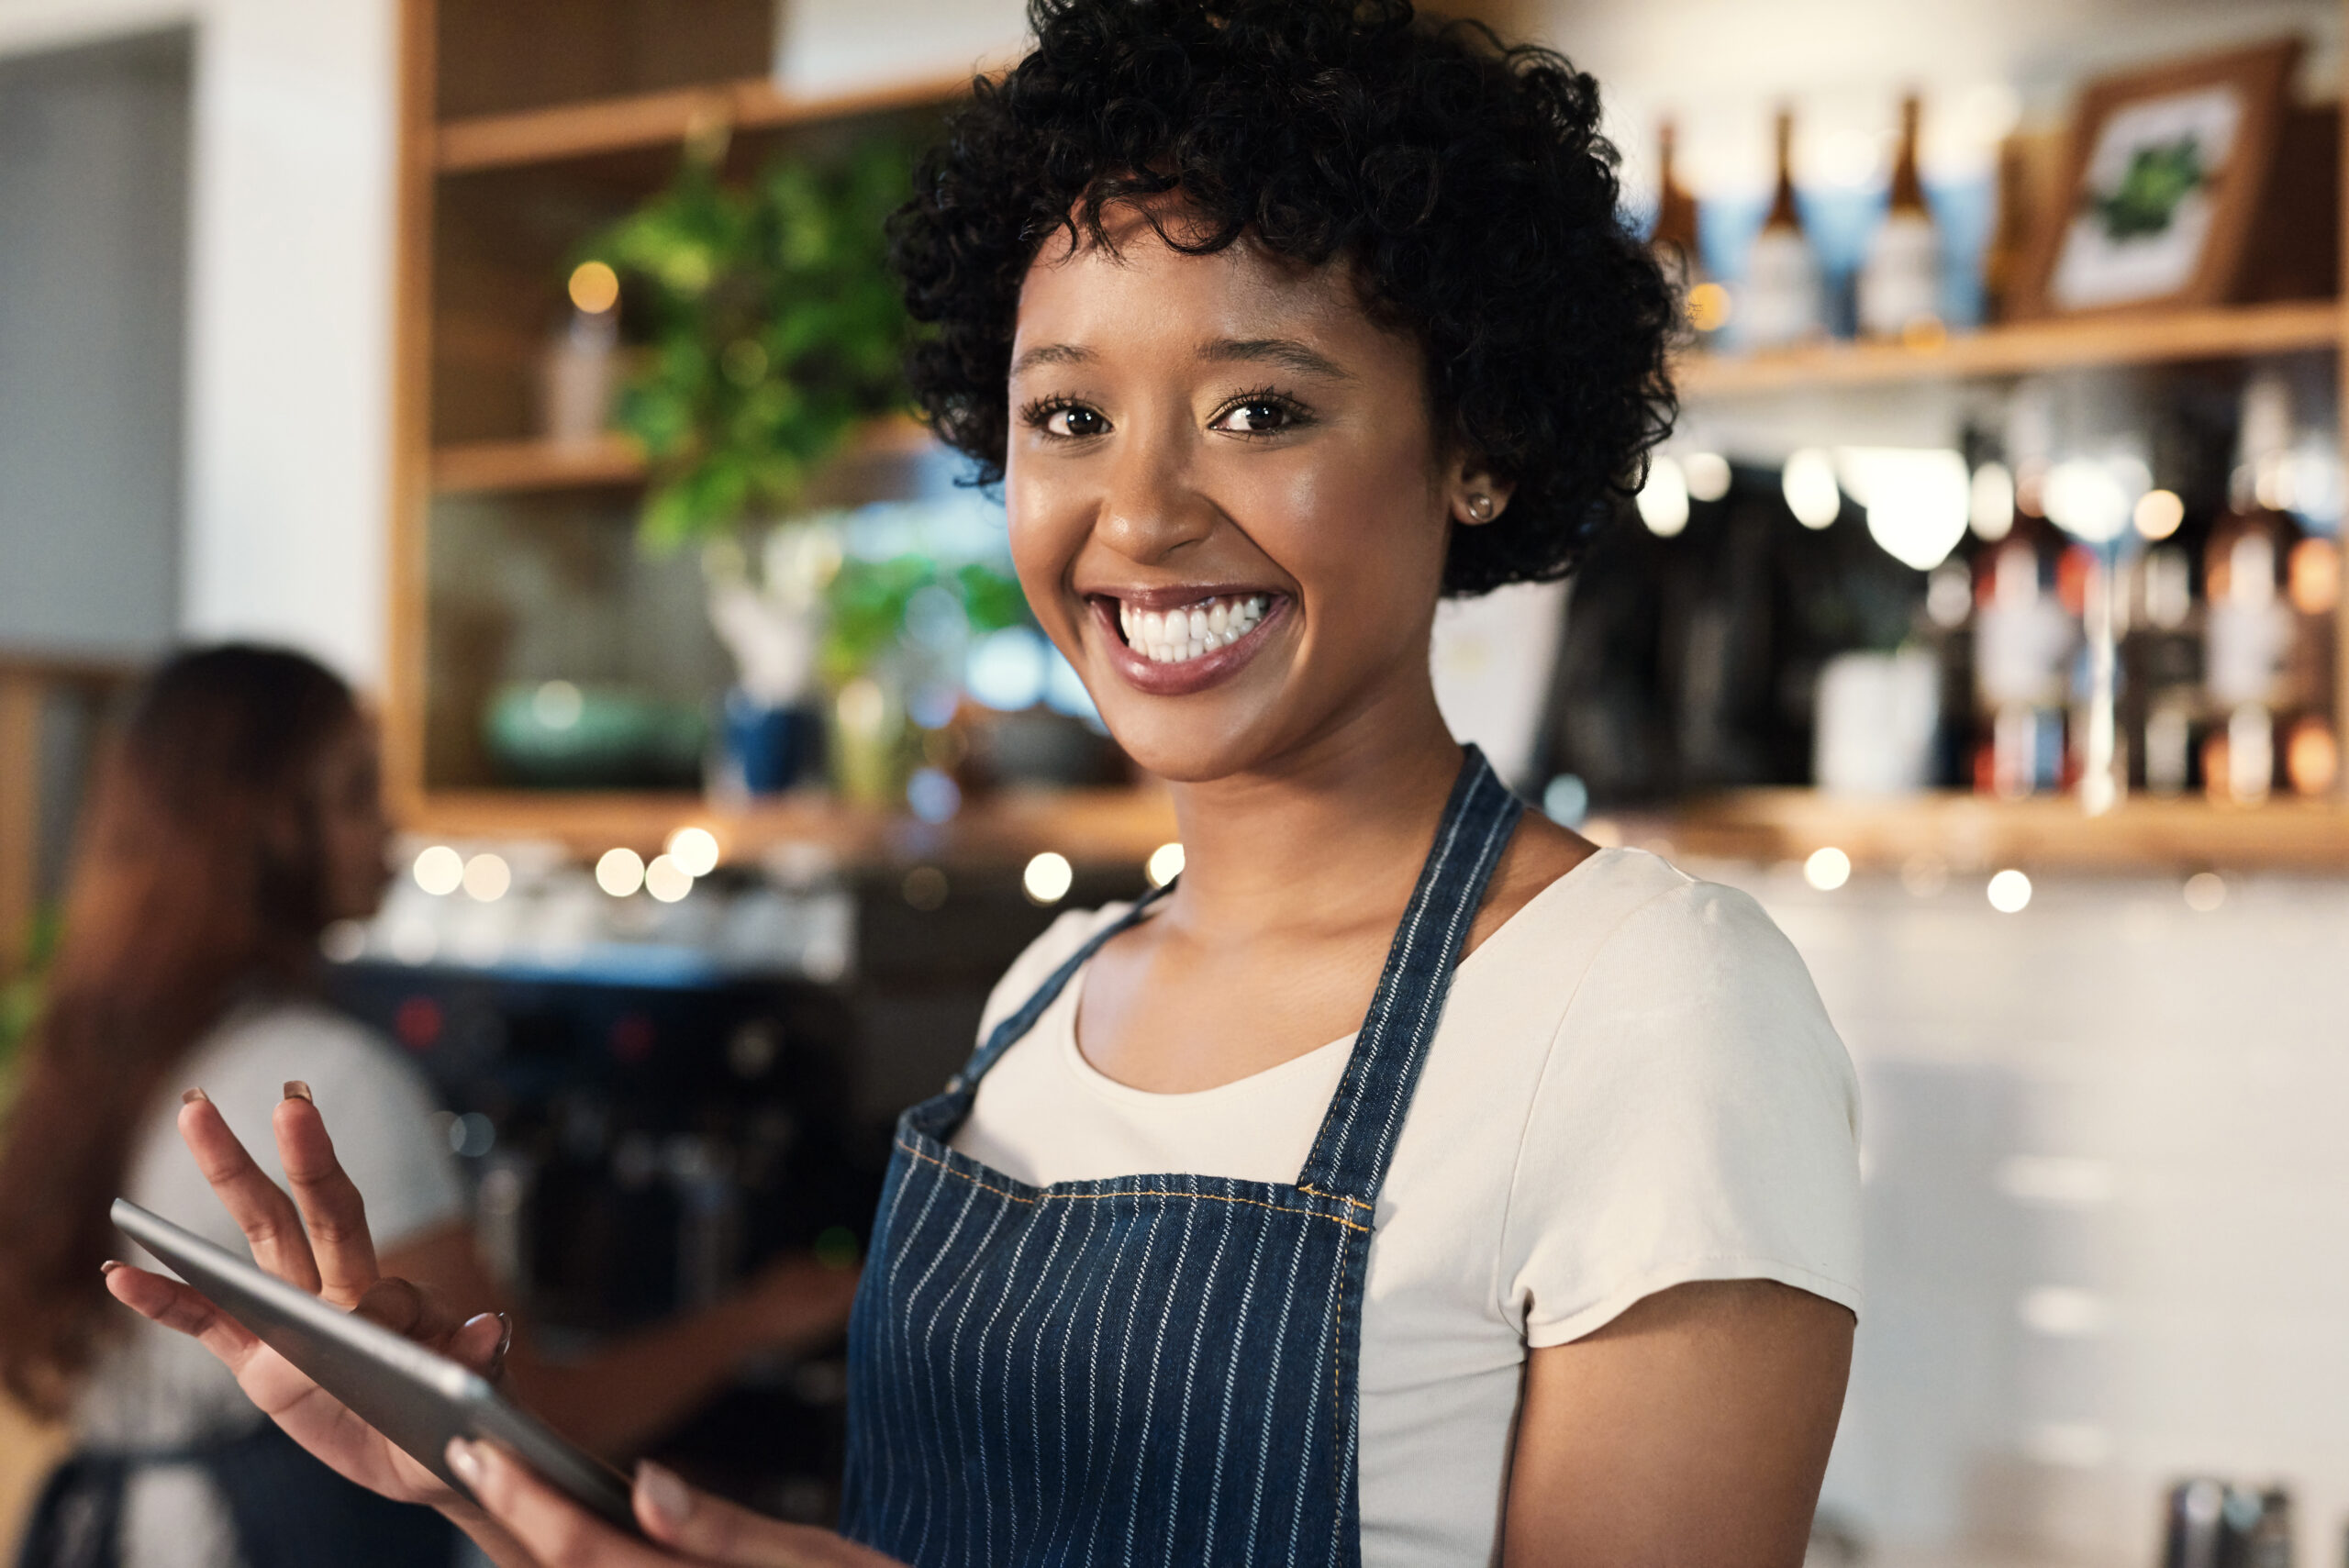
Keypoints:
(416, 1397)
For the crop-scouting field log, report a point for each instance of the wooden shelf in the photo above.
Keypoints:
(1967, 833)
(1093, 826)
(2226, 332)
(473, 468)
(659, 119)
(481, 467)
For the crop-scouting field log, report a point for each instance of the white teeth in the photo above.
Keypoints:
(1174, 637)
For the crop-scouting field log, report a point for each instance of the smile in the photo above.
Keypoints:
(1172, 641)
(1179, 636)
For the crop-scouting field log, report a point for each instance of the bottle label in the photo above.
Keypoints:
(1781, 303)
(1900, 283)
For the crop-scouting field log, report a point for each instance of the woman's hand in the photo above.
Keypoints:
(324, 1247)
(686, 1526)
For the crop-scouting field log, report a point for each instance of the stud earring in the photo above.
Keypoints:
(1480, 507)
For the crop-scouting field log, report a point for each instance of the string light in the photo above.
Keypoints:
(1165, 865)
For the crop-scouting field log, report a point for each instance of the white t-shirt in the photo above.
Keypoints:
(1634, 1087)
(152, 1388)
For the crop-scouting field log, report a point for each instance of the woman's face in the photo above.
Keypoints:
(1228, 506)
(346, 782)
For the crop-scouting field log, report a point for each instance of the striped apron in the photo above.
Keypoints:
(1150, 1368)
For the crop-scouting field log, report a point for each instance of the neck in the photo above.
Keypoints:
(1333, 832)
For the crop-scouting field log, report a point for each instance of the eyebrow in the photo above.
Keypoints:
(1051, 354)
(1284, 351)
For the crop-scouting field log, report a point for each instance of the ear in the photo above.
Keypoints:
(1472, 495)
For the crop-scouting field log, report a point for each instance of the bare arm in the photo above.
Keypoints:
(1690, 1432)
(637, 1384)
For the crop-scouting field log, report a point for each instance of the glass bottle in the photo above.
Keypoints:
(1899, 286)
(1780, 304)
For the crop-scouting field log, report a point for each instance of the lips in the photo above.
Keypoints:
(1173, 642)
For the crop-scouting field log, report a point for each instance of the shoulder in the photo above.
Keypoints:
(1628, 932)
(1696, 1116)
(1037, 962)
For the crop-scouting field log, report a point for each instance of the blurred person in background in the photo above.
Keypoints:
(236, 817)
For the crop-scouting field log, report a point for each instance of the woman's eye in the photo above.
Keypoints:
(1256, 417)
(1071, 420)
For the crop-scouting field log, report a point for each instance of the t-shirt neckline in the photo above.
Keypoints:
(1061, 1015)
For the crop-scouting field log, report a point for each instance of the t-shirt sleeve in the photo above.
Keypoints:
(1698, 1120)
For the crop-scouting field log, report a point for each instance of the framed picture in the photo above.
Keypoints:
(2163, 177)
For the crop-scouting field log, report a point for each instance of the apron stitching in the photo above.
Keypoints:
(1153, 1192)
(1317, 1191)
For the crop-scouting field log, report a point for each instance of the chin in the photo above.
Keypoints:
(1177, 753)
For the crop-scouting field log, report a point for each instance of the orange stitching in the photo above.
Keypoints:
(1342, 1198)
(1217, 1197)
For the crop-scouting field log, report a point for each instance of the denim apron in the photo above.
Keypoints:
(1150, 1368)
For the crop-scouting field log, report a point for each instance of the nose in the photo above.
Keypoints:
(1151, 508)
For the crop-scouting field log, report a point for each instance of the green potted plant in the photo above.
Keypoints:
(770, 335)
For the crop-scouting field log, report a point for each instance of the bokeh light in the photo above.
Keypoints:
(667, 880)
(1827, 869)
(1165, 865)
(2158, 514)
(487, 877)
(440, 871)
(1048, 878)
(621, 872)
(594, 288)
(2010, 892)
(1808, 484)
(2205, 891)
(694, 849)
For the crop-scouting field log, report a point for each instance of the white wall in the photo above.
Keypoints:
(2106, 1241)
(289, 352)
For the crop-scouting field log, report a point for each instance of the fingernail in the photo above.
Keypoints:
(195, 1097)
(110, 1265)
(464, 1461)
(297, 1090)
(663, 1494)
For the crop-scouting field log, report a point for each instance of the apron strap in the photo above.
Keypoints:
(1357, 1137)
(1008, 1033)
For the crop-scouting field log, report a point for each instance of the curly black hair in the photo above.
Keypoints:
(1464, 181)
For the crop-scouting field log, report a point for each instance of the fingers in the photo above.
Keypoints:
(334, 1213)
(262, 1210)
(556, 1531)
(174, 1305)
(706, 1526)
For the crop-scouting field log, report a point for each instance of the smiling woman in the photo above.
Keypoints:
(1406, 1181)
